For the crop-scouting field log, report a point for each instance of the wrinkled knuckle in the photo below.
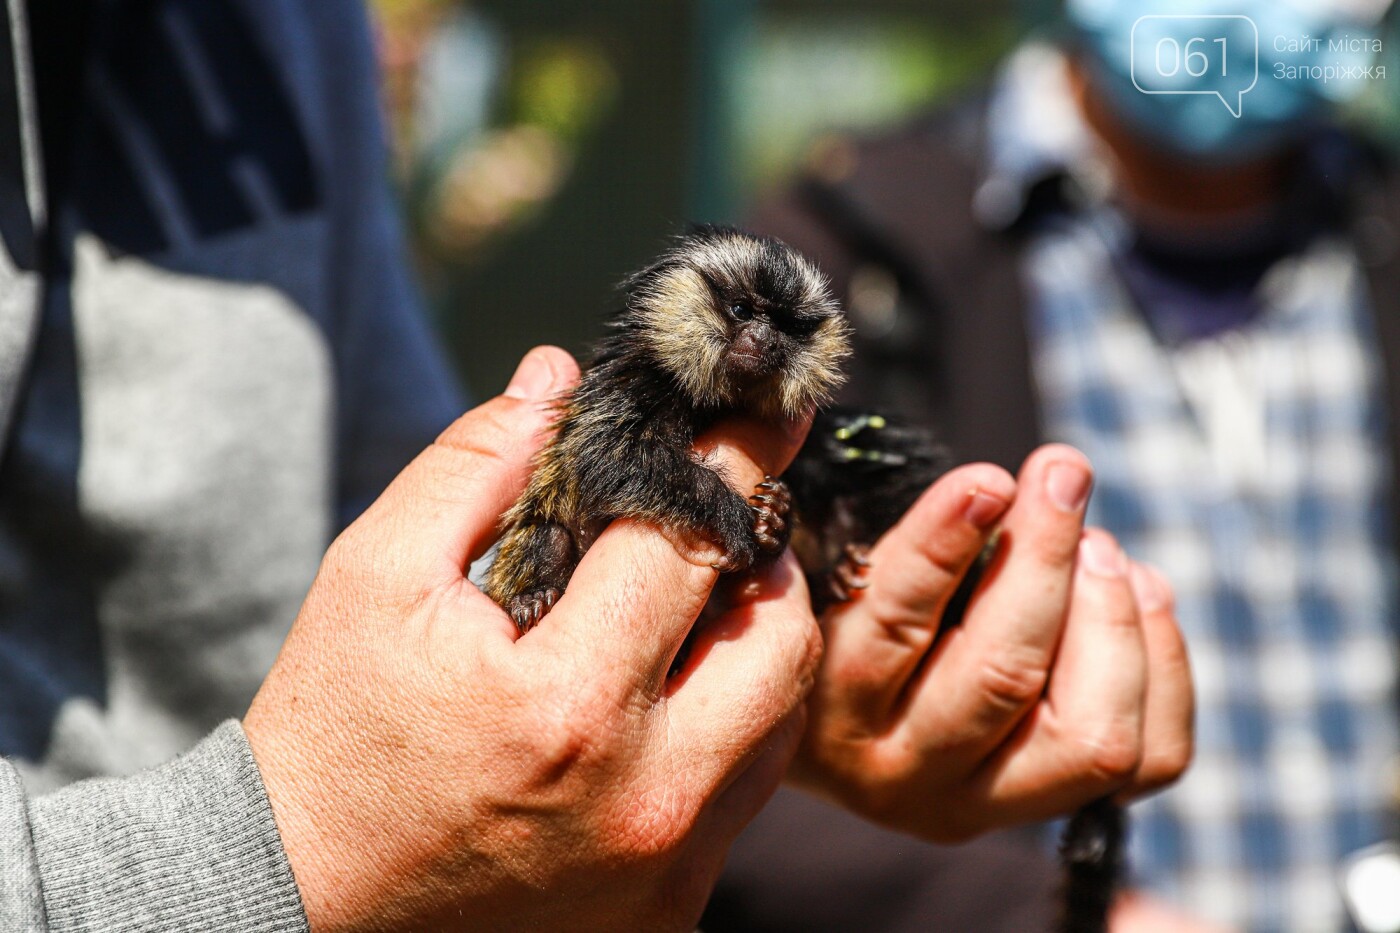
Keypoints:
(1053, 548)
(945, 567)
(1055, 551)
(491, 434)
(560, 749)
(484, 432)
(1011, 684)
(654, 839)
(564, 741)
(875, 783)
(467, 456)
(1114, 754)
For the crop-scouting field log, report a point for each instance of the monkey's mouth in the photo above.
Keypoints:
(749, 363)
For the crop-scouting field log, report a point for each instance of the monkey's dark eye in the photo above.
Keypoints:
(741, 312)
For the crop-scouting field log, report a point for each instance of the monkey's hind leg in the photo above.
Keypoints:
(531, 571)
(847, 578)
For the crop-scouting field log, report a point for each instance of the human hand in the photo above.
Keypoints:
(1067, 681)
(429, 768)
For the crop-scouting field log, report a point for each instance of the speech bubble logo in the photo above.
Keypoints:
(1210, 54)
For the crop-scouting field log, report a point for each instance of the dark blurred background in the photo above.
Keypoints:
(546, 148)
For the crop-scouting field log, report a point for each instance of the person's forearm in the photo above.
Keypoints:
(188, 846)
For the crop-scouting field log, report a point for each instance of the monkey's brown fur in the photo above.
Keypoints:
(722, 323)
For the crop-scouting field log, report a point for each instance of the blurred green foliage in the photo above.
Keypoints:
(801, 76)
(563, 86)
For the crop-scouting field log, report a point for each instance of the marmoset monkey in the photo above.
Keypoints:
(723, 323)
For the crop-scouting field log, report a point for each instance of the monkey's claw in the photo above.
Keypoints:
(847, 578)
(528, 609)
(772, 504)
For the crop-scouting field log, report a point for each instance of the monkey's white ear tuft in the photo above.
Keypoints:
(818, 369)
(675, 314)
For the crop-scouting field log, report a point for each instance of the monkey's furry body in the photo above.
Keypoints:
(723, 323)
(853, 479)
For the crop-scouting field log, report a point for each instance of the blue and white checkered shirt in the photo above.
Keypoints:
(1251, 466)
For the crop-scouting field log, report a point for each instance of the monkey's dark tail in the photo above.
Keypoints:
(1091, 851)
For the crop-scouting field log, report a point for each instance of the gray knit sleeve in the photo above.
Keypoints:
(21, 901)
(188, 846)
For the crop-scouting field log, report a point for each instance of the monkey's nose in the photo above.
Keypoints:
(751, 350)
(753, 341)
(755, 337)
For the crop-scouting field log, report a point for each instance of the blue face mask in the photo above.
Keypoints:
(1181, 73)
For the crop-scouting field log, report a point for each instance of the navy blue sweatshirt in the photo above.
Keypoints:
(223, 361)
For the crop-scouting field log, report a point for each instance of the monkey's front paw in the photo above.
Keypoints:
(762, 530)
(847, 578)
(771, 503)
(528, 609)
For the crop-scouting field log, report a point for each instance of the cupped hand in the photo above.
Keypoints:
(429, 768)
(1067, 681)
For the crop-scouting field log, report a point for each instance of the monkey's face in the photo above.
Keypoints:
(742, 321)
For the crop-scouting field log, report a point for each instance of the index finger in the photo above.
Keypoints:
(876, 643)
(639, 590)
(754, 448)
(989, 673)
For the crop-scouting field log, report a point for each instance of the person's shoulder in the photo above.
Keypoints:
(933, 149)
(903, 195)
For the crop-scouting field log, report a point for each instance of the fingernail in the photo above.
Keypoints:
(533, 379)
(1149, 588)
(983, 509)
(1100, 555)
(1068, 485)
